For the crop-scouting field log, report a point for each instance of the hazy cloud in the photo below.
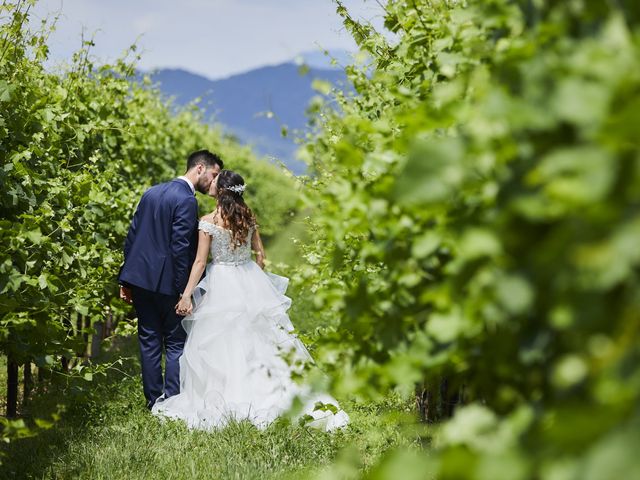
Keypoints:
(215, 38)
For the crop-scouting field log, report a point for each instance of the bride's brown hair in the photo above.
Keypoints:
(236, 214)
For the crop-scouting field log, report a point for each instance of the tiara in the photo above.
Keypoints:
(236, 189)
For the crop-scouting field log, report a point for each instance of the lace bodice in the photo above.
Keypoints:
(222, 249)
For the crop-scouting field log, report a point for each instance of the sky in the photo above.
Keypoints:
(214, 38)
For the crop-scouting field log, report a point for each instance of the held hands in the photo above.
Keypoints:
(184, 307)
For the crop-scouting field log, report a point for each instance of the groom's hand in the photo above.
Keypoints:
(125, 294)
(184, 307)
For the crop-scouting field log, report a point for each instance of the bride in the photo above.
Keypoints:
(233, 365)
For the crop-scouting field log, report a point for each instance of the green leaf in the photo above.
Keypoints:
(479, 242)
(433, 170)
(580, 101)
(35, 236)
(14, 280)
(425, 245)
(613, 456)
(515, 294)
(576, 176)
(43, 423)
(321, 86)
(445, 327)
(569, 370)
(6, 90)
(470, 426)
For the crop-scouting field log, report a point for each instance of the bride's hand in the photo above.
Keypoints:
(184, 307)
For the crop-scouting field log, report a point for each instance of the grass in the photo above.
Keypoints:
(281, 248)
(108, 434)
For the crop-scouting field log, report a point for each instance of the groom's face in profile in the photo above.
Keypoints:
(207, 176)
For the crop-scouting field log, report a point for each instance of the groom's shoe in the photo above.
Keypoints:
(150, 403)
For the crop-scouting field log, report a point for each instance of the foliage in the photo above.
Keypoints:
(77, 151)
(477, 217)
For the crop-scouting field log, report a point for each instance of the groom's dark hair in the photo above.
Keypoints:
(205, 157)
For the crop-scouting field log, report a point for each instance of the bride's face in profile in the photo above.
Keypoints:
(213, 188)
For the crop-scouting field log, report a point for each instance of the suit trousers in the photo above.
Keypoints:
(158, 326)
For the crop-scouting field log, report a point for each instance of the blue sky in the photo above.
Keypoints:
(215, 38)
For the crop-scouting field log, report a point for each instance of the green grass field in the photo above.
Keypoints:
(108, 434)
(283, 247)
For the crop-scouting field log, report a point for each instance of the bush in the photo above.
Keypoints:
(78, 150)
(477, 218)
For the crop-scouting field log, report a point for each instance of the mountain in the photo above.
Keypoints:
(241, 103)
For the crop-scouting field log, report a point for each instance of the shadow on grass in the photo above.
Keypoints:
(85, 405)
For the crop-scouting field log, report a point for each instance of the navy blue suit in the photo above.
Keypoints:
(158, 253)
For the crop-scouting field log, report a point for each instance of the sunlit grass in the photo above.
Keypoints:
(110, 435)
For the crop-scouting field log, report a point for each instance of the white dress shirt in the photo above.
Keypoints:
(193, 189)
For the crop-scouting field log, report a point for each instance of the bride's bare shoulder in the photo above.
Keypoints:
(209, 218)
(213, 218)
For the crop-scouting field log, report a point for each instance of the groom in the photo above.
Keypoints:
(158, 253)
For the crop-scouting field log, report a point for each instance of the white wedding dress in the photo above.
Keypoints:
(232, 366)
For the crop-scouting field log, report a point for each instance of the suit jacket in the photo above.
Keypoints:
(162, 240)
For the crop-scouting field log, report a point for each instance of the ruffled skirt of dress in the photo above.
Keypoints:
(232, 366)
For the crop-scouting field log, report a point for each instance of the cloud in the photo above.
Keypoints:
(215, 38)
(146, 23)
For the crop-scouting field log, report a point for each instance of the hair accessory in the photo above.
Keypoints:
(236, 189)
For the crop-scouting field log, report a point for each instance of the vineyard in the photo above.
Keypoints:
(77, 152)
(469, 268)
(477, 216)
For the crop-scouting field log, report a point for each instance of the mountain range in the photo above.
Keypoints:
(255, 106)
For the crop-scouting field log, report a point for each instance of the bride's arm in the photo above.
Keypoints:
(256, 246)
(204, 242)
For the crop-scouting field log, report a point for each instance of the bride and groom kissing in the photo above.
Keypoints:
(225, 335)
